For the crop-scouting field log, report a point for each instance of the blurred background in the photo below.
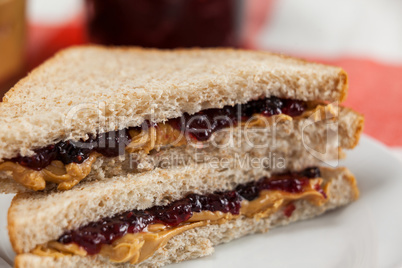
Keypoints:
(362, 36)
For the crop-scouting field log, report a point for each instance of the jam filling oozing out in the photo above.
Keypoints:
(199, 126)
(92, 236)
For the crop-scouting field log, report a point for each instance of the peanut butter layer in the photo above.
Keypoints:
(66, 176)
(137, 247)
(153, 138)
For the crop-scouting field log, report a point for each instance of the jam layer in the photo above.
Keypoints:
(203, 124)
(199, 126)
(108, 144)
(94, 235)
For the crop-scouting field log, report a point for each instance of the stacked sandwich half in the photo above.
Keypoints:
(124, 157)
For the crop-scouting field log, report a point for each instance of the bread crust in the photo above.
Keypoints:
(201, 241)
(356, 124)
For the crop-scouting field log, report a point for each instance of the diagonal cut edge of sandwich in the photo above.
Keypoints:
(138, 95)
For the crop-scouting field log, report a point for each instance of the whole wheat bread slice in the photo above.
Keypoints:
(191, 244)
(93, 89)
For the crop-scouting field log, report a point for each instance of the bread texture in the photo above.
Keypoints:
(200, 241)
(90, 89)
(287, 145)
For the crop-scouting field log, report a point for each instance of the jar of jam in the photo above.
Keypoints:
(165, 23)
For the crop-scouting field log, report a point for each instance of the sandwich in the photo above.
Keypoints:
(165, 216)
(141, 157)
(103, 112)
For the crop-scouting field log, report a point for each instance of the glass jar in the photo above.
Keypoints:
(165, 23)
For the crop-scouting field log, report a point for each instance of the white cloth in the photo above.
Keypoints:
(327, 28)
(398, 152)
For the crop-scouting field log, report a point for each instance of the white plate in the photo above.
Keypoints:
(368, 233)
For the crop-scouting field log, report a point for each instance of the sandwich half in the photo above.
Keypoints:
(94, 112)
(166, 215)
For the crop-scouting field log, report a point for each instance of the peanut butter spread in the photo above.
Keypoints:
(135, 248)
(153, 138)
(65, 175)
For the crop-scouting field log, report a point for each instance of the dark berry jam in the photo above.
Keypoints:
(108, 144)
(290, 182)
(200, 126)
(288, 210)
(93, 235)
(204, 123)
